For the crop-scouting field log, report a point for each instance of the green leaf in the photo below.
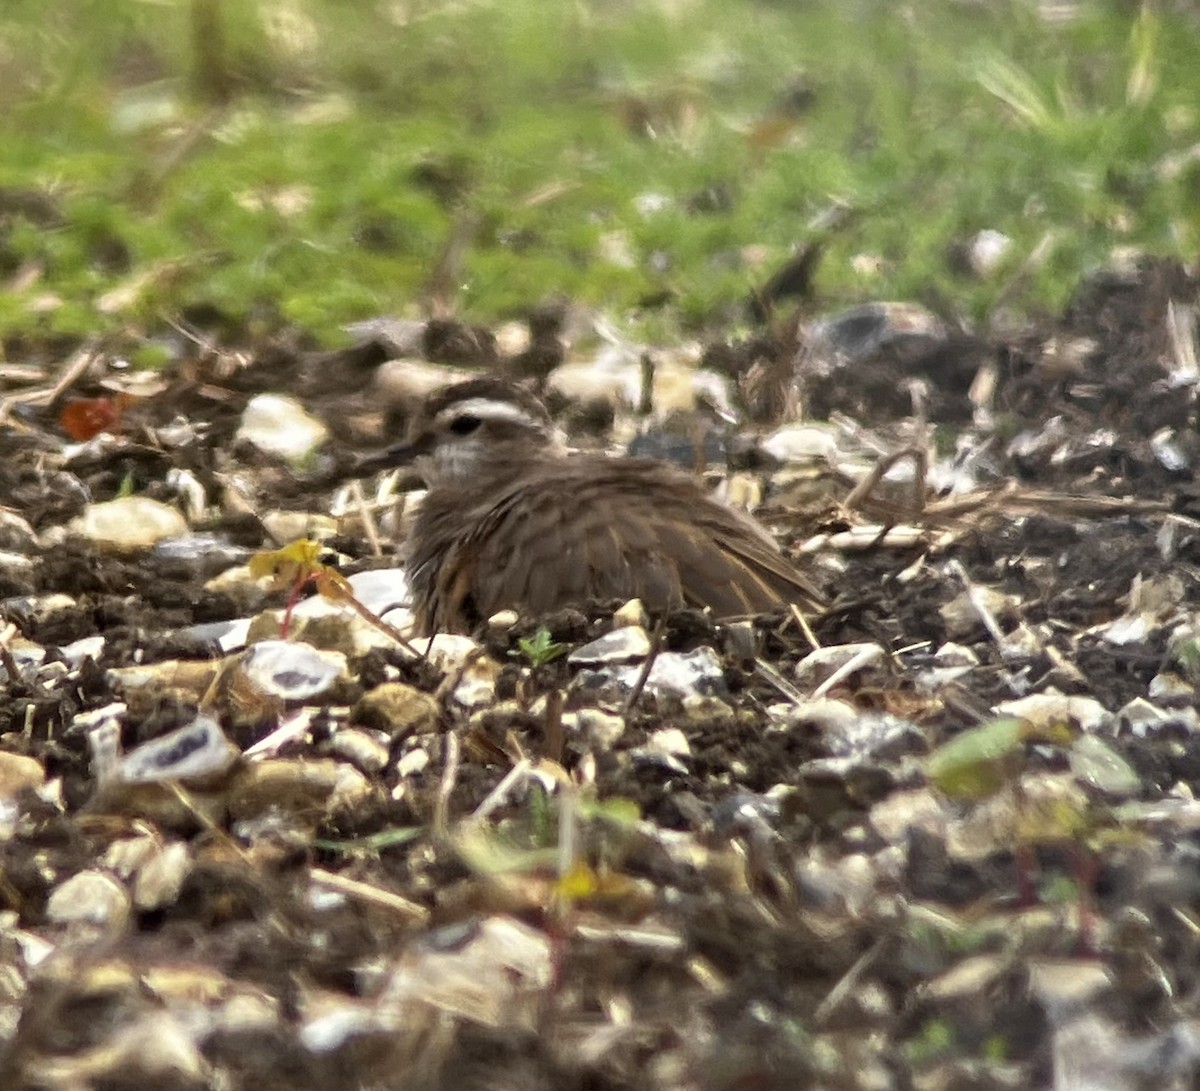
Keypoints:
(539, 649)
(1096, 763)
(127, 487)
(978, 762)
(618, 810)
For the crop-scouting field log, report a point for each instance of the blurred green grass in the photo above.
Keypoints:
(254, 164)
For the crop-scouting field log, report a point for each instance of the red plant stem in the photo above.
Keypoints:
(1024, 859)
(1086, 866)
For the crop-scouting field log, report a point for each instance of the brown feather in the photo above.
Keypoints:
(566, 530)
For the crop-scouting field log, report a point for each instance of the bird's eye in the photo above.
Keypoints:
(464, 425)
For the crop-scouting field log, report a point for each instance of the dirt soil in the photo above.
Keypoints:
(751, 887)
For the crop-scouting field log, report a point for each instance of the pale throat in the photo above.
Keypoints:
(466, 462)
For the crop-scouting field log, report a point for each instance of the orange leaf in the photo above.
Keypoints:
(83, 418)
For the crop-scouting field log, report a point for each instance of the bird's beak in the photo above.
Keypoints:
(400, 454)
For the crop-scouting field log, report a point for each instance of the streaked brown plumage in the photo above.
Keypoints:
(512, 521)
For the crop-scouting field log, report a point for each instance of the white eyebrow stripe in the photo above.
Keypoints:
(490, 409)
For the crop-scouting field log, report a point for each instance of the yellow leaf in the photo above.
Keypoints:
(580, 881)
(296, 560)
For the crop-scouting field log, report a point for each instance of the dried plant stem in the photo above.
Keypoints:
(656, 640)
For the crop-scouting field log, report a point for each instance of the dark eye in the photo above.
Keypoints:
(464, 425)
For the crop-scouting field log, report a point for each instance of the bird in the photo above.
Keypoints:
(511, 520)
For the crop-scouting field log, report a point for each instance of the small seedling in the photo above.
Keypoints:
(986, 760)
(539, 649)
(127, 487)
